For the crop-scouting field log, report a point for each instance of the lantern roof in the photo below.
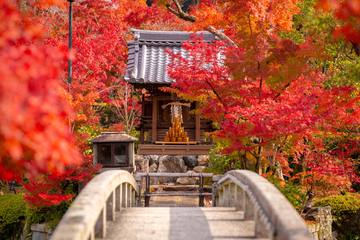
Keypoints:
(113, 137)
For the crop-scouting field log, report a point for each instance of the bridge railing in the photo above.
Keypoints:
(274, 216)
(96, 204)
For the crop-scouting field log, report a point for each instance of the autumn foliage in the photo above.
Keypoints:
(46, 124)
(269, 99)
(348, 12)
(268, 95)
(34, 133)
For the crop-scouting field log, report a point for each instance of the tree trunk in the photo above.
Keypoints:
(258, 167)
(276, 164)
(278, 170)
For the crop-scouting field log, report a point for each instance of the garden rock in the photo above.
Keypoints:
(319, 221)
(190, 161)
(203, 160)
(152, 159)
(171, 164)
(174, 164)
(186, 180)
(153, 167)
(141, 163)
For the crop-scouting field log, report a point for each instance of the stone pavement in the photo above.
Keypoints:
(180, 223)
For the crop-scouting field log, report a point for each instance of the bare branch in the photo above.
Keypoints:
(180, 13)
(221, 35)
(177, 4)
(187, 17)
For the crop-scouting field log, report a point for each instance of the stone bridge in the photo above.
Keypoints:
(245, 206)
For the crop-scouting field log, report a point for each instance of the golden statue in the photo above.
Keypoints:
(176, 132)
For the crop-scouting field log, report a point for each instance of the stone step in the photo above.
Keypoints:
(177, 201)
(179, 223)
(177, 193)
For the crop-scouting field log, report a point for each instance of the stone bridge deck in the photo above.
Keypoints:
(245, 206)
(180, 223)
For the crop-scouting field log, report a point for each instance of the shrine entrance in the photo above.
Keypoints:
(172, 126)
(169, 125)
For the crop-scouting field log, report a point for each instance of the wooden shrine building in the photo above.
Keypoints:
(168, 125)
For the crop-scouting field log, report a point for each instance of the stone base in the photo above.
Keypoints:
(40, 232)
(318, 221)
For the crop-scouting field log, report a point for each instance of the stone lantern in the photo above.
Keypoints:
(114, 150)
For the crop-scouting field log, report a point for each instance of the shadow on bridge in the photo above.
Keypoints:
(209, 223)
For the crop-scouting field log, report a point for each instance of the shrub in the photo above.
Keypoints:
(292, 191)
(346, 214)
(220, 164)
(12, 216)
(16, 217)
(49, 215)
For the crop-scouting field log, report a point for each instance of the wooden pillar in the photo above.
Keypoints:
(201, 191)
(197, 124)
(138, 196)
(142, 140)
(147, 190)
(154, 118)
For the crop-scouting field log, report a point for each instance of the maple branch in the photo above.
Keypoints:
(177, 4)
(261, 81)
(252, 154)
(249, 22)
(221, 35)
(217, 94)
(179, 12)
(283, 89)
(190, 18)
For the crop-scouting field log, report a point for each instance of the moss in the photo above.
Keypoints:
(12, 216)
(346, 214)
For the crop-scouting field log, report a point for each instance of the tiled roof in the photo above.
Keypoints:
(107, 137)
(147, 57)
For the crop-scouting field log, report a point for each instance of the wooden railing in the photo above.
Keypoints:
(148, 194)
(96, 204)
(274, 216)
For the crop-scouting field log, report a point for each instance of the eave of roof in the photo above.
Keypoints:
(147, 56)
